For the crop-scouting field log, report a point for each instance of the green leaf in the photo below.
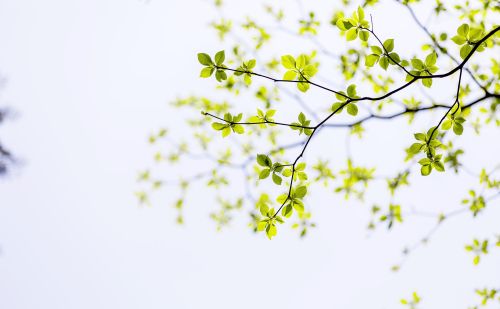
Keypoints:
(277, 179)
(434, 143)
(371, 59)
(287, 211)
(263, 209)
(237, 117)
(458, 129)
(287, 172)
(477, 259)
(290, 75)
(417, 64)
(270, 113)
(389, 45)
(456, 110)
(341, 95)
(432, 131)
(351, 34)
(351, 91)
(310, 70)
(206, 72)
(303, 86)
(220, 75)
(475, 34)
(219, 57)
(361, 13)
(465, 50)
(337, 107)
(298, 205)
(394, 58)
(415, 148)
(424, 161)
(425, 170)
(264, 160)
(430, 60)
(288, 62)
(352, 109)
(300, 167)
(463, 30)
(282, 198)
(301, 191)
(383, 62)
(277, 167)
(364, 35)
(420, 136)
(446, 125)
(301, 61)
(261, 225)
(264, 173)
(271, 231)
(251, 64)
(219, 126)
(238, 128)
(205, 59)
(226, 131)
(302, 118)
(459, 40)
(376, 50)
(438, 166)
(343, 24)
(427, 82)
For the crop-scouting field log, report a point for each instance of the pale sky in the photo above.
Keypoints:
(89, 80)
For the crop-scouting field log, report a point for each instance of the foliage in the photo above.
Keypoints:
(276, 177)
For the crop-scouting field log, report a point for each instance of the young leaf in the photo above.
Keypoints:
(352, 109)
(277, 179)
(288, 62)
(287, 211)
(219, 126)
(427, 82)
(364, 35)
(389, 45)
(219, 57)
(206, 72)
(303, 86)
(425, 170)
(264, 173)
(290, 75)
(463, 30)
(204, 59)
(351, 34)
(370, 60)
(264, 160)
(301, 191)
(384, 62)
(351, 91)
(458, 129)
(430, 60)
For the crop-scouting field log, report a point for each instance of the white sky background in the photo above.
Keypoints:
(90, 80)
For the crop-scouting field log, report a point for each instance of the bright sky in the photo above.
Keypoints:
(90, 79)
